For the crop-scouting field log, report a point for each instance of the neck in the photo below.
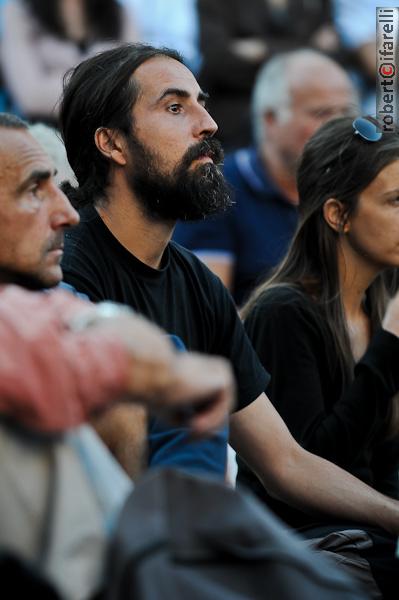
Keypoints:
(281, 175)
(143, 237)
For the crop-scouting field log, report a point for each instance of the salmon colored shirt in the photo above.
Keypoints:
(52, 378)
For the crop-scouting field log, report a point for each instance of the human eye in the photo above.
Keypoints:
(175, 108)
(393, 200)
(34, 189)
(319, 113)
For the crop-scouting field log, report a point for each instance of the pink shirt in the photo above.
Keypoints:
(52, 378)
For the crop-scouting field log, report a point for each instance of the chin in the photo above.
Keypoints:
(50, 282)
(50, 277)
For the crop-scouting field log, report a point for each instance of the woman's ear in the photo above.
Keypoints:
(334, 215)
(111, 144)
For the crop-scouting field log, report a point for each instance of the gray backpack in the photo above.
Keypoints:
(181, 537)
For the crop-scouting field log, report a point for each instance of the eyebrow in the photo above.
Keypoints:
(391, 192)
(35, 176)
(202, 96)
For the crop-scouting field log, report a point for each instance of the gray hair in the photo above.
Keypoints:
(272, 93)
(51, 142)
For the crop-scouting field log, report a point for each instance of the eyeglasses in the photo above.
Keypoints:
(366, 129)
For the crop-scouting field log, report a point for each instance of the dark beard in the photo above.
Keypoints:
(187, 195)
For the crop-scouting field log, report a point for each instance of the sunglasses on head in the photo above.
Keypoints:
(366, 129)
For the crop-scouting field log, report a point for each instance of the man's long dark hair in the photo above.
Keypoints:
(336, 163)
(100, 92)
(104, 17)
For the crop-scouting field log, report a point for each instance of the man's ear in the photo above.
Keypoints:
(334, 215)
(111, 144)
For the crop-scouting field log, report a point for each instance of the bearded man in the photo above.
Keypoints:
(140, 140)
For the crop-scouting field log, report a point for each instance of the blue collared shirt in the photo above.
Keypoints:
(254, 234)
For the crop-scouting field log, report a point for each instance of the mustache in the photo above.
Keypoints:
(208, 147)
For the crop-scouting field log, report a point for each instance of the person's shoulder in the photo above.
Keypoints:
(185, 256)
(71, 290)
(288, 308)
(190, 262)
(281, 300)
(283, 294)
(179, 251)
(84, 240)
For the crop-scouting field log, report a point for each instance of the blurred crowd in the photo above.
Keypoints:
(224, 43)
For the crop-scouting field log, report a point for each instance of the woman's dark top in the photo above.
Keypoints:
(344, 423)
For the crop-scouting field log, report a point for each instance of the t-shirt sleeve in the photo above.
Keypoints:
(231, 341)
(289, 342)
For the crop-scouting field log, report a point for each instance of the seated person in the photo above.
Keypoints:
(129, 202)
(245, 244)
(33, 216)
(78, 359)
(42, 40)
(322, 323)
(68, 363)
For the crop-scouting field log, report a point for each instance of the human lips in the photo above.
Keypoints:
(207, 151)
(204, 158)
(207, 157)
(56, 250)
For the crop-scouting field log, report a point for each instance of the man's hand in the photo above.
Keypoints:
(185, 388)
(197, 391)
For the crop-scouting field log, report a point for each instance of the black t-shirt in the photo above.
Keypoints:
(344, 423)
(183, 296)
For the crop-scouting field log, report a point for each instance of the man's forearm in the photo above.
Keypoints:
(300, 478)
(318, 486)
(123, 429)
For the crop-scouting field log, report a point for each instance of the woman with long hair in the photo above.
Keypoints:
(322, 325)
(42, 40)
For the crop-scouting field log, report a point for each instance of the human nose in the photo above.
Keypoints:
(205, 126)
(64, 215)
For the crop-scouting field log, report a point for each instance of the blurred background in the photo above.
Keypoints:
(224, 42)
